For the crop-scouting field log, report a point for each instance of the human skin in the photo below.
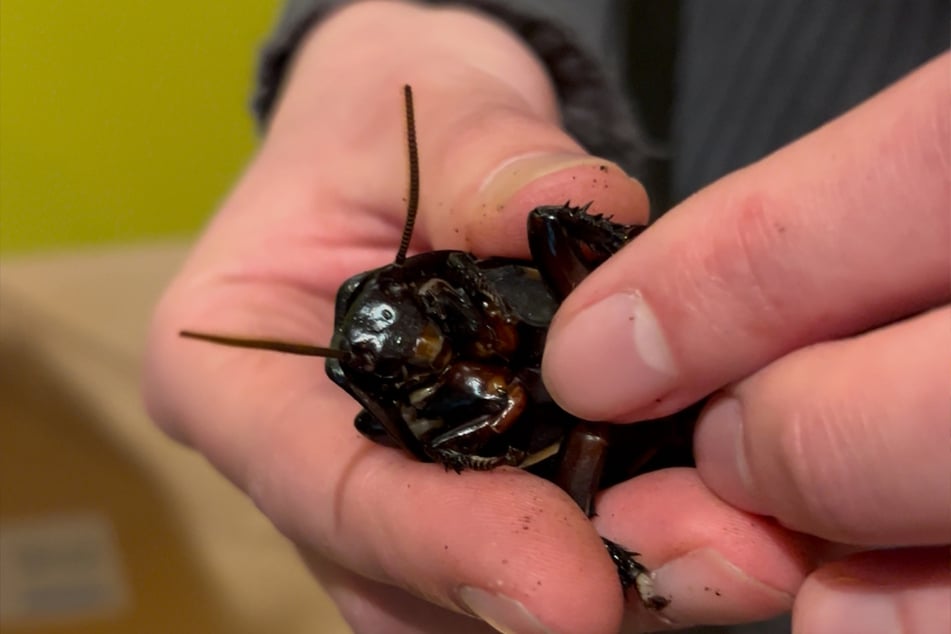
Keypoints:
(811, 289)
(400, 545)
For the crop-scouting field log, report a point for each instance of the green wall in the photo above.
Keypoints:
(122, 120)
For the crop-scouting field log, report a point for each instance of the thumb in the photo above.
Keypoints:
(491, 145)
(483, 171)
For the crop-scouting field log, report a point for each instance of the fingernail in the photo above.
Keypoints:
(610, 359)
(513, 173)
(851, 611)
(703, 587)
(720, 450)
(504, 614)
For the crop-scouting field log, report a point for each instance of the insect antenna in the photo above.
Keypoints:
(265, 344)
(413, 203)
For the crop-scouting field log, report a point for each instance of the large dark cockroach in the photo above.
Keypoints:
(443, 352)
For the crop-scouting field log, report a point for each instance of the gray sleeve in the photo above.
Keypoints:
(578, 42)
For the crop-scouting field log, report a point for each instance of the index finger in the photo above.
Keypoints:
(844, 230)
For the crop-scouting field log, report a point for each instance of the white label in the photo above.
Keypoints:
(59, 567)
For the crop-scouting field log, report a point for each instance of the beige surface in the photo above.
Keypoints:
(193, 555)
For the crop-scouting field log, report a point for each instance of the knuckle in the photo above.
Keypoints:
(819, 493)
(745, 270)
(757, 256)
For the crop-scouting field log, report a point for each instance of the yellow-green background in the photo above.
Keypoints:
(122, 119)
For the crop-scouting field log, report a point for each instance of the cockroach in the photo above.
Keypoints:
(443, 352)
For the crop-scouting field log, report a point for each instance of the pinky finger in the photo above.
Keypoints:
(892, 592)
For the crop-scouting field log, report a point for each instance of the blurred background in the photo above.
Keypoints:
(121, 126)
(122, 120)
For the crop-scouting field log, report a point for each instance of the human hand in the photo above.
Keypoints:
(812, 289)
(400, 545)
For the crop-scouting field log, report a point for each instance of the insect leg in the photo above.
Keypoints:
(499, 402)
(567, 243)
(581, 463)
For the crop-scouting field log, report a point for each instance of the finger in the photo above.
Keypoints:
(289, 442)
(375, 511)
(370, 606)
(413, 525)
(846, 440)
(887, 592)
(844, 230)
(716, 564)
(485, 131)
